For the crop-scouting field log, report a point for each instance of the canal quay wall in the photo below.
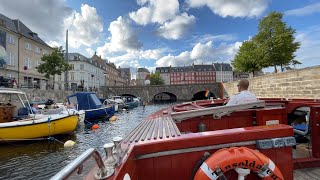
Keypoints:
(300, 83)
(56, 95)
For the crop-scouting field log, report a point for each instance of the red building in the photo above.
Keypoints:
(194, 74)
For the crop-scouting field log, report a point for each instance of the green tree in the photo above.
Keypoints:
(53, 64)
(156, 79)
(275, 41)
(247, 58)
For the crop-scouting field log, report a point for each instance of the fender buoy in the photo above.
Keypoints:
(113, 118)
(95, 126)
(238, 157)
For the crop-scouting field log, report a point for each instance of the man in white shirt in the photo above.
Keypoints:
(243, 96)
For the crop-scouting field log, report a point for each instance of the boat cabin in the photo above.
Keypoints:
(85, 100)
(14, 105)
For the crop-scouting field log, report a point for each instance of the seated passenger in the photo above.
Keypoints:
(243, 95)
(34, 108)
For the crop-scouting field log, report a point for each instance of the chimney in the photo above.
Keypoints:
(95, 53)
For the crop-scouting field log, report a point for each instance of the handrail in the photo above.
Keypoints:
(71, 167)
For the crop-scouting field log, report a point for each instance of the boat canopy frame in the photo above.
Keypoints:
(217, 112)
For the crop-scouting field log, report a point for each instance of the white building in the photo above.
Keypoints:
(224, 72)
(164, 74)
(84, 70)
(142, 74)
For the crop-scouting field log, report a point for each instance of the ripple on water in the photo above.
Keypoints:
(41, 160)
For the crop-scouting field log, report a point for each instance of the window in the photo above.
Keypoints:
(38, 63)
(72, 76)
(37, 50)
(27, 46)
(45, 51)
(72, 66)
(81, 66)
(10, 59)
(10, 39)
(9, 76)
(81, 76)
(27, 62)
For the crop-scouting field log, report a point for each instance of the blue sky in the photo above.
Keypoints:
(150, 33)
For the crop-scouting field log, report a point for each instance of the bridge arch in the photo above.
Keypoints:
(128, 95)
(164, 97)
(201, 95)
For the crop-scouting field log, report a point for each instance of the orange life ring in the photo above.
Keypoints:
(238, 157)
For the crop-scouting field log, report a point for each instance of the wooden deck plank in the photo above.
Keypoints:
(307, 174)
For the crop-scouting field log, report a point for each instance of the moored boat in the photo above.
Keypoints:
(17, 122)
(252, 140)
(91, 105)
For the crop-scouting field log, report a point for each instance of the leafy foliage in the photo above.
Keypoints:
(247, 58)
(275, 41)
(53, 63)
(274, 45)
(156, 79)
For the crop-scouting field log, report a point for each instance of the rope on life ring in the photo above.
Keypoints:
(238, 157)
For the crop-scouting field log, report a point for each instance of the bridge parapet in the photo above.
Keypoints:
(183, 92)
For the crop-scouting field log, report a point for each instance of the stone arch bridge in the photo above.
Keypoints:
(182, 92)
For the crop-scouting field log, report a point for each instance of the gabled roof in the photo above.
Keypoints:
(224, 66)
(8, 23)
(204, 67)
(143, 70)
(182, 69)
(25, 31)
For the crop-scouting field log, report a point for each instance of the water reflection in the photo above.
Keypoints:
(43, 159)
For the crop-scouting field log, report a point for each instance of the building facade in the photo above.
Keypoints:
(86, 73)
(224, 72)
(164, 73)
(182, 75)
(24, 50)
(204, 73)
(141, 77)
(194, 74)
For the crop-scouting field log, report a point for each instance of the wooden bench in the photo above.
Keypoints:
(152, 129)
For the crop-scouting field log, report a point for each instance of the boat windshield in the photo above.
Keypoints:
(13, 99)
(95, 99)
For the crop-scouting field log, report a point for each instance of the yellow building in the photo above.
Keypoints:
(24, 49)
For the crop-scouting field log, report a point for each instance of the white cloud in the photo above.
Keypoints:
(54, 43)
(233, 8)
(156, 11)
(45, 17)
(85, 27)
(50, 19)
(132, 58)
(309, 52)
(176, 28)
(90, 52)
(307, 10)
(142, 16)
(123, 38)
(214, 38)
(202, 53)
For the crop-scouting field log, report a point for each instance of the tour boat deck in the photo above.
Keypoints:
(307, 174)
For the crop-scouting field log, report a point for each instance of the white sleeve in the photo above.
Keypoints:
(232, 101)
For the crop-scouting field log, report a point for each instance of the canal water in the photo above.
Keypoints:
(43, 159)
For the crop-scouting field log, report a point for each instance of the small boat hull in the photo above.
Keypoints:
(94, 114)
(29, 129)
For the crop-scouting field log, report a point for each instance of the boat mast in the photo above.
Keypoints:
(66, 86)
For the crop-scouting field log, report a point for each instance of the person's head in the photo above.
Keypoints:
(243, 85)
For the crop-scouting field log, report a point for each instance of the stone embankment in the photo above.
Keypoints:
(301, 83)
(56, 95)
